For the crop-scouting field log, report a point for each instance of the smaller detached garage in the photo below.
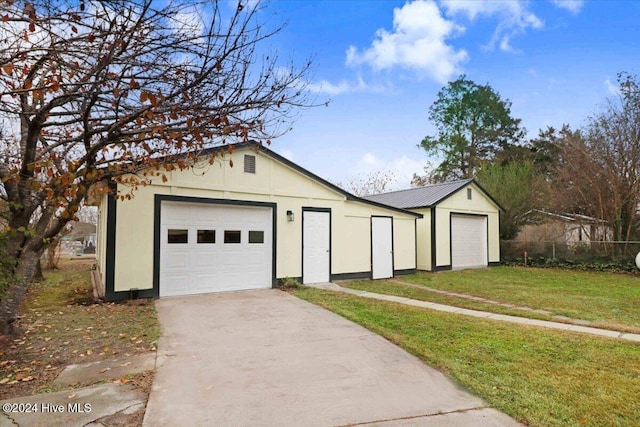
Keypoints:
(214, 228)
(460, 227)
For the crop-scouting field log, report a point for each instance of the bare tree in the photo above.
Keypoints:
(123, 90)
(371, 183)
(88, 214)
(600, 169)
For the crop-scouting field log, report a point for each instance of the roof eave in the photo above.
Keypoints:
(346, 194)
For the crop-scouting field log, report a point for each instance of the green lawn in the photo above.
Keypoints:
(608, 300)
(540, 377)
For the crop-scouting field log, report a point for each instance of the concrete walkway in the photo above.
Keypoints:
(483, 314)
(267, 358)
(95, 406)
(111, 404)
(562, 319)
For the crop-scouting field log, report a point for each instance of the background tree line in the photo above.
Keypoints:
(593, 170)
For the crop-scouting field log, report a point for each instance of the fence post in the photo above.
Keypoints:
(553, 250)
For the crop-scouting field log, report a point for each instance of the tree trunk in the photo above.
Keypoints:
(38, 274)
(25, 270)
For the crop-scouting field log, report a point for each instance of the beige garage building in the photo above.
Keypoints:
(460, 224)
(214, 228)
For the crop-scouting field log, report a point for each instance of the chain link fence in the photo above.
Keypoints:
(597, 255)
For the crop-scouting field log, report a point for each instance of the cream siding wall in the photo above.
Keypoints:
(273, 182)
(423, 229)
(404, 247)
(458, 203)
(134, 242)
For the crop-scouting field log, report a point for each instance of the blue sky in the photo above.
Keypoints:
(382, 63)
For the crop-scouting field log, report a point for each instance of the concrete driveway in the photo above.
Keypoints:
(266, 358)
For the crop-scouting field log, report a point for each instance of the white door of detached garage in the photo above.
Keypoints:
(381, 248)
(213, 248)
(316, 246)
(468, 241)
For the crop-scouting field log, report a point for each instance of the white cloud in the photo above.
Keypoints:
(573, 6)
(370, 160)
(189, 22)
(417, 42)
(402, 169)
(344, 86)
(287, 154)
(326, 87)
(611, 87)
(514, 18)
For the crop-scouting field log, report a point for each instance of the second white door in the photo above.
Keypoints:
(381, 248)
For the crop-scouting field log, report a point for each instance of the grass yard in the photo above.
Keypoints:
(60, 325)
(607, 300)
(540, 377)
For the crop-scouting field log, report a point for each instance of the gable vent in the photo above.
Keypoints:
(249, 163)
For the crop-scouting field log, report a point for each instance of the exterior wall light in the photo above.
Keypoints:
(290, 216)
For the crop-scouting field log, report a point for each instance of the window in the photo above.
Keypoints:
(232, 236)
(468, 193)
(256, 236)
(177, 236)
(249, 163)
(206, 236)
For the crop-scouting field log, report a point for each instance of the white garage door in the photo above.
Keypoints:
(468, 241)
(214, 248)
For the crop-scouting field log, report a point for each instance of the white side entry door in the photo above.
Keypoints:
(381, 247)
(316, 246)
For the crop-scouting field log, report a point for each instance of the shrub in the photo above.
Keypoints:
(289, 283)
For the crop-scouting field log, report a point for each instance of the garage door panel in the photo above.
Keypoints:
(204, 279)
(234, 280)
(206, 258)
(235, 258)
(177, 260)
(212, 265)
(179, 283)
